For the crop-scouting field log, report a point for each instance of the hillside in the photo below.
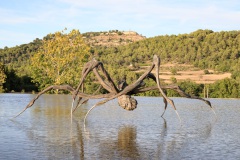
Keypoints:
(203, 56)
(16, 57)
(181, 72)
(204, 49)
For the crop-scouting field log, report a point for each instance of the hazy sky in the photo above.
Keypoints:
(24, 20)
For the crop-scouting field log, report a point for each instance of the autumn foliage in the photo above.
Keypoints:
(60, 59)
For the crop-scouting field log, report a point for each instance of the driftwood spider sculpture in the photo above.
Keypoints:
(123, 91)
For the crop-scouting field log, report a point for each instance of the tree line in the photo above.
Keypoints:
(204, 49)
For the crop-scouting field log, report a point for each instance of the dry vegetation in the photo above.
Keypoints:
(183, 72)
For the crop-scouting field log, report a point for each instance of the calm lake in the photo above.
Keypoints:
(45, 130)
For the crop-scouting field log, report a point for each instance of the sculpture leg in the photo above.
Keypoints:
(156, 62)
(165, 102)
(182, 93)
(62, 87)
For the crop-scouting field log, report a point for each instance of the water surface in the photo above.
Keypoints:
(46, 131)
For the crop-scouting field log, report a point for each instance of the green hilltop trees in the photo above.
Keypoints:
(51, 59)
(2, 77)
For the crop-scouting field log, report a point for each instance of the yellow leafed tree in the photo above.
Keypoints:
(60, 59)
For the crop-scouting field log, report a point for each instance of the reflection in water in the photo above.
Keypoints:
(126, 142)
(51, 126)
(77, 143)
(170, 143)
(124, 146)
(45, 131)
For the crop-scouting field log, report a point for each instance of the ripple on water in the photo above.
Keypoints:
(45, 131)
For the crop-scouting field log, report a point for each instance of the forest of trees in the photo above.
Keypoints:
(204, 49)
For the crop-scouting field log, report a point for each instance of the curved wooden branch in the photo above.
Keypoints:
(173, 87)
(182, 93)
(165, 107)
(85, 100)
(108, 78)
(92, 65)
(156, 61)
(86, 69)
(101, 81)
(67, 88)
(62, 87)
(97, 104)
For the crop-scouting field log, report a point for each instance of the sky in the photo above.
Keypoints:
(22, 21)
